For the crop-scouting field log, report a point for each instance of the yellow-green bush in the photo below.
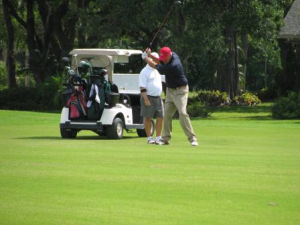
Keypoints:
(246, 99)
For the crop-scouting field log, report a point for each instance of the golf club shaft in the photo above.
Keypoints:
(163, 22)
(161, 25)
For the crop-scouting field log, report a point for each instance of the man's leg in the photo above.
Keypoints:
(170, 110)
(148, 124)
(180, 101)
(159, 124)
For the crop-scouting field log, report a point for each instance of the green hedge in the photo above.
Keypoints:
(49, 97)
(198, 109)
(217, 98)
(287, 107)
(204, 103)
(267, 94)
(30, 98)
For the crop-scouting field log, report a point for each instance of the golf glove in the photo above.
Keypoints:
(144, 55)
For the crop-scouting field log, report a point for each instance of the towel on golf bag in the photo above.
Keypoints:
(96, 102)
(77, 105)
(94, 93)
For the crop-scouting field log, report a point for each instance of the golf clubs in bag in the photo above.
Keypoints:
(75, 95)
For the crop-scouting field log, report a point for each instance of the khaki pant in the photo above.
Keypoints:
(176, 99)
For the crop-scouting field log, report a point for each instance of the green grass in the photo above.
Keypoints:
(246, 170)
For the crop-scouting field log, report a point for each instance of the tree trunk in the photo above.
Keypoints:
(221, 77)
(65, 35)
(236, 77)
(34, 53)
(229, 74)
(82, 41)
(211, 71)
(10, 56)
(245, 47)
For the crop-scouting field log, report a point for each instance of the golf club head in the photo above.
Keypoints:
(71, 72)
(103, 72)
(85, 64)
(65, 60)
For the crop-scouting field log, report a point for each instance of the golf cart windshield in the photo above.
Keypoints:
(134, 65)
(118, 60)
(122, 65)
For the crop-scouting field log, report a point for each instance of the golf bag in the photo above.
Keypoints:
(96, 102)
(77, 104)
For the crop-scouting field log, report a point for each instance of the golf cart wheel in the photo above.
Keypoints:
(115, 131)
(142, 132)
(68, 133)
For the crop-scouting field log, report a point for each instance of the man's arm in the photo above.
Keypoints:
(153, 58)
(150, 62)
(150, 59)
(145, 97)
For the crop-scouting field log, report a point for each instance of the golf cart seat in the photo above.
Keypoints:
(114, 88)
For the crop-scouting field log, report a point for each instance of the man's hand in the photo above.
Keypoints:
(144, 55)
(147, 102)
(145, 97)
(147, 57)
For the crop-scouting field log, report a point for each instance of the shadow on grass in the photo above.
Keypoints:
(77, 138)
(263, 118)
(260, 112)
(243, 109)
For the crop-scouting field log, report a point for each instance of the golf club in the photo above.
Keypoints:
(164, 21)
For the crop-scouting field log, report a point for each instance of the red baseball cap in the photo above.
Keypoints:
(164, 53)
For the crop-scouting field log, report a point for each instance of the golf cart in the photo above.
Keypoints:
(99, 100)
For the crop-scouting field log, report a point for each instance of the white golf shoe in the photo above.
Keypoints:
(194, 143)
(150, 140)
(159, 141)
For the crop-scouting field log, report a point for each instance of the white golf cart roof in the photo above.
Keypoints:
(110, 52)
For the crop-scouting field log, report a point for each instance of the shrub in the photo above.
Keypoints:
(267, 94)
(47, 96)
(246, 99)
(28, 98)
(212, 98)
(197, 109)
(21, 98)
(287, 107)
(3, 78)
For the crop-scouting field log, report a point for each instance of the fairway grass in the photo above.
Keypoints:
(246, 170)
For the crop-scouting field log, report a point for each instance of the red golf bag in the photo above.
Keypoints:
(77, 104)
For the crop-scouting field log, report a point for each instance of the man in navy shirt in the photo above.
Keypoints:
(170, 65)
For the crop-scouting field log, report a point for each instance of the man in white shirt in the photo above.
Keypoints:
(151, 101)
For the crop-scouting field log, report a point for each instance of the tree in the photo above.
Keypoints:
(220, 42)
(224, 34)
(9, 56)
(46, 38)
